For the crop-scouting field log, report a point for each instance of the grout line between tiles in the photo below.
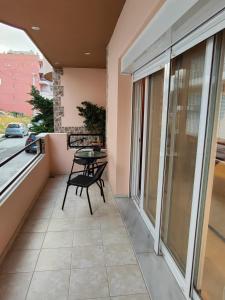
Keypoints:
(45, 233)
(106, 271)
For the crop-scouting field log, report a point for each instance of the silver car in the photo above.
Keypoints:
(16, 129)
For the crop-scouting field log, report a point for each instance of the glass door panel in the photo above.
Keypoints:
(153, 143)
(186, 81)
(137, 137)
(209, 277)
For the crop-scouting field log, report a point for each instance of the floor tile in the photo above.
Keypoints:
(61, 225)
(138, 232)
(66, 213)
(54, 259)
(41, 213)
(58, 239)
(14, 286)
(154, 267)
(82, 205)
(132, 297)
(87, 223)
(29, 240)
(106, 209)
(46, 202)
(119, 254)
(88, 283)
(111, 222)
(125, 280)
(87, 256)
(115, 236)
(105, 298)
(155, 270)
(40, 225)
(20, 261)
(49, 285)
(87, 237)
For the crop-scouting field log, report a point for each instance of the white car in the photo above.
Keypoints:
(16, 129)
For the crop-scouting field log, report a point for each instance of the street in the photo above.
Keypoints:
(8, 147)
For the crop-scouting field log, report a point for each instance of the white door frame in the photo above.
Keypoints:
(162, 157)
(185, 282)
(199, 163)
(160, 63)
(135, 147)
(209, 167)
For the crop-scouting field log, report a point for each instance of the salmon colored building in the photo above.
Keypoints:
(18, 71)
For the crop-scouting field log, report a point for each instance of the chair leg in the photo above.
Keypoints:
(99, 185)
(71, 169)
(81, 190)
(102, 192)
(103, 183)
(76, 190)
(65, 196)
(89, 201)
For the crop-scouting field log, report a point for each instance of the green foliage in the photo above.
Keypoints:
(94, 117)
(44, 120)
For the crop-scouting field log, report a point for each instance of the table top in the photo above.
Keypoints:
(90, 154)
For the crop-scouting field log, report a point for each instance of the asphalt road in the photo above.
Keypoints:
(8, 147)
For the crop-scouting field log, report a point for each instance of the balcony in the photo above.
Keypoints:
(140, 60)
(49, 254)
(59, 253)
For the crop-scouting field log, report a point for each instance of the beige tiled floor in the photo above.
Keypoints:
(70, 254)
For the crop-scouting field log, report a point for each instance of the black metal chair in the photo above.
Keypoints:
(84, 180)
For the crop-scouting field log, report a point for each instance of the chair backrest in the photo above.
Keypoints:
(99, 171)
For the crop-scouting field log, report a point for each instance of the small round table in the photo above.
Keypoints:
(88, 158)
(90, 155)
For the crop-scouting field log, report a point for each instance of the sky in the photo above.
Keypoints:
(15, 39)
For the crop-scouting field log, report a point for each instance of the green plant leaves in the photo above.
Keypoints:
(44, 107)
(94, 117)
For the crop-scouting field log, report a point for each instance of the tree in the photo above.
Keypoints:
(43, 121)
(94, 117)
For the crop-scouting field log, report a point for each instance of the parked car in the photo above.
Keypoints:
(16, 129)
(31, 138)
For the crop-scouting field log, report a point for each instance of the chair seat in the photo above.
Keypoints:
(81, 180)
(84, 181)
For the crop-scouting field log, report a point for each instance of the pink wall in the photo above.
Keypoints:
(17, 73)
(18, 202)
(134, 17)
(60, 157)
(81, 84)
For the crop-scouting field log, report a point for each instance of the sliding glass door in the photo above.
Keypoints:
(209, 276)
(155, 102)
(137, 138)
(170, 110)
(185, 101)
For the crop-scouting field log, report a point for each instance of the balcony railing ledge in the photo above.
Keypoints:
(19, 180)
